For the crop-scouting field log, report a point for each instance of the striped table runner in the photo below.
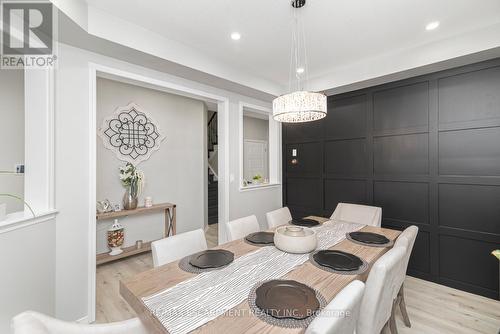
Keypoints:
(194, 302)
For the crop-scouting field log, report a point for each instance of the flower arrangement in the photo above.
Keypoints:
(132, 179)
(257, 178)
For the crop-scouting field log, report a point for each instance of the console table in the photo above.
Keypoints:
(169, 229)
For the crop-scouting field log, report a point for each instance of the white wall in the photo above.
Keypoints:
(72, 171)
(12, 136)
(255, 128)
(175, 173)
(27, 256)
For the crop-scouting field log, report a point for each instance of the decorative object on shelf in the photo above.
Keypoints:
(138, 244)
(295, 239)
(299, 105)
(117, 208)
(19, 199)
(133, 181)
(131, 134)
(148, 201)
(104, 206)
(116, 236)
(257, 179)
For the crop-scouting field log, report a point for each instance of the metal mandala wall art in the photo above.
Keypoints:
(131, 134)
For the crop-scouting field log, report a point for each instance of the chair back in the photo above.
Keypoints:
(356, 213)
(278, 217)
(341, 314)
(381, 289)
(240, 228)
(406, 240)
(36, 323)
(177, 246)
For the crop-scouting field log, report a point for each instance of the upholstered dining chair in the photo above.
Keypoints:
(278, 217)
(382, 286)
(406, 240)
(240, 228)
(341, 314)
(356, 213)
(36, 323)
(177, 246)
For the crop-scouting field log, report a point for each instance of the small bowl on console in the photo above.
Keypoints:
(295, 239)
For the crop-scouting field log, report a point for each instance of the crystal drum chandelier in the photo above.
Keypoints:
(300, 105)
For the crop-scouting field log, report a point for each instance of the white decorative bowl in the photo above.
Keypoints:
(293, 239)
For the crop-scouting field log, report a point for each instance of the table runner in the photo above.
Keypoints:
(194, 302)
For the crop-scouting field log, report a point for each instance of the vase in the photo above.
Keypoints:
(130, 199)
(116, 236)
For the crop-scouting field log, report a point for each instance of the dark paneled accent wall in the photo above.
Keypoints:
(426, 150)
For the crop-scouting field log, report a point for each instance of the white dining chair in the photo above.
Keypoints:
(36, 323)
(278, 217)
(341, 314)
(382, 286)
(177, 246)
(356, 213)
(406, 240)
(240, 228)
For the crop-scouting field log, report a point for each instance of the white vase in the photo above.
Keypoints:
(116, 237)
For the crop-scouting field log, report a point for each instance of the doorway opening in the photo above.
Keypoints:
(104, 279)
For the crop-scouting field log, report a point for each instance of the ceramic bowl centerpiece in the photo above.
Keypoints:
(295, 239)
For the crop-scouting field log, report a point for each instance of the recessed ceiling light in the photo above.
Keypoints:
(236, 36)
(300, 70)
(432, 25)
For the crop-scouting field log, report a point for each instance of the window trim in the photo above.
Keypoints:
(39, 87)
(274, 148)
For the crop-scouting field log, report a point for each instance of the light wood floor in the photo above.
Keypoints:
(433, 308)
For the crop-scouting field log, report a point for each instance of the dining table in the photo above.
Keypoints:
(239, 318)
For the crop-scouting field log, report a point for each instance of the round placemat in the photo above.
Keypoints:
(188, 267)
(387, 244)
(364, 267)
(286, 323)
(257, 245)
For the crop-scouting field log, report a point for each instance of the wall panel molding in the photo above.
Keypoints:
(425, 149)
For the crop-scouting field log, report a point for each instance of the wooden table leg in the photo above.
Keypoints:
(173, 221)
(170, 222)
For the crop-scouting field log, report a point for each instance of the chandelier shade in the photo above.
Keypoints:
(299, 106)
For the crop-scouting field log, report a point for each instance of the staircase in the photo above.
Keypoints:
(213, 157)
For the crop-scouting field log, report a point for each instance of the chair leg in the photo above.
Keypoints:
(392, 319)
(385, 329)
(402, 306)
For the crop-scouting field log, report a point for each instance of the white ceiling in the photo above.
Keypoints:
(342, 35)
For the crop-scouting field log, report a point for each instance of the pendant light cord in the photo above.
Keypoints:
(297, 81)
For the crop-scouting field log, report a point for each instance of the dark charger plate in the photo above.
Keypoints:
(369, 238)
(286, 299)
(338, 260)
(212, 258)
(260, 238)
(304, 222)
